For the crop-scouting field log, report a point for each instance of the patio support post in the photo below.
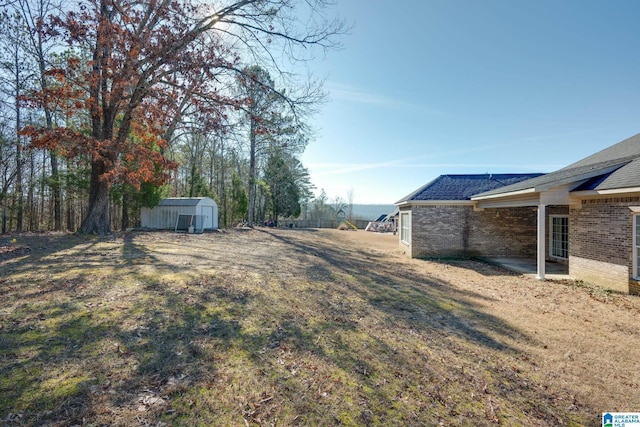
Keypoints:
(541, 241)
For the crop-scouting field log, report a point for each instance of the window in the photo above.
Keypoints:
(405, 227)
(559, 236)
(636, 246)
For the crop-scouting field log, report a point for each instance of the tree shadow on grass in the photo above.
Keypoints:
(472, 343)
(328, 337)
(417, 300)
(67, 360)
(37, 248)
(69, 351)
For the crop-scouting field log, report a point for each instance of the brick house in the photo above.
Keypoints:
(440, 219)
(586, 214)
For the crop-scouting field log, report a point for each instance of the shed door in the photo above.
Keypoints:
(212, 219)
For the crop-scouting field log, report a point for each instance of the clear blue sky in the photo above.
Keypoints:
(430, 87)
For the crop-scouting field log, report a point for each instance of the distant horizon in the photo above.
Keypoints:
(371, 211)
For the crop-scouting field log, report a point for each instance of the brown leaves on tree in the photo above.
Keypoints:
(138, 63)
(135, 69)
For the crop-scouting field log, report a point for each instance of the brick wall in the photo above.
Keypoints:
(445, 230)
(600, 242)
(439, 230)
(603, 274)
(504, 232)
(600, 236)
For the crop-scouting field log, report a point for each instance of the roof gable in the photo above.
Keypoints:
(463, 187)
(611, 165)
(626, 176)
(628, 149)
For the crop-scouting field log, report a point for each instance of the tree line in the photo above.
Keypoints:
(110, 105)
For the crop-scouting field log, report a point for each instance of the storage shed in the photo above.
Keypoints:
(181, 213)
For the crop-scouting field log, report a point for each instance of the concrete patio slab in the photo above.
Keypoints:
(528, 267)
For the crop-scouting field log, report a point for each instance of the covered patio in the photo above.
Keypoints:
(551, 196)
(529, 267)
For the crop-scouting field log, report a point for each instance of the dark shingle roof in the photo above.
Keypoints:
(614, 163)
(624, 177)
(462, 187)
(628, 149)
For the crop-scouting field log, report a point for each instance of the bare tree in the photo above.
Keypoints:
(34, 13)
(350, 194)
(16, 75)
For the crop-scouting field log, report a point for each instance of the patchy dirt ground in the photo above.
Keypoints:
(299, 327)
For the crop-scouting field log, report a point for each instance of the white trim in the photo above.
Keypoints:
(509, 194)
(541, 237)
(551, 218)
(409, 203)
(404, 236)
(606, 192)
(636, 244)
(516, 203)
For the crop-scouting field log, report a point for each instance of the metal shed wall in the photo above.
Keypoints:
(164, 215)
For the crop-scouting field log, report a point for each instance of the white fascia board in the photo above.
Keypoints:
(586, 193)
(522, 199)
(435, 202)
(514, 203)
(526, 191)
(556, 195)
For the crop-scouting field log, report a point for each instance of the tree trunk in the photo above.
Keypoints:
(71, 225)
(56, 192)
(252, 174)
(12, 210)
(192, 179)
(97, 220)
(31, 204)
(222, 190)
(44, 212)
(55, 175)
(125, 211)
(19, 190)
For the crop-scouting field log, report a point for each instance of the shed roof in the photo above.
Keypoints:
(611, 168)
(463, 187)
(184, 201)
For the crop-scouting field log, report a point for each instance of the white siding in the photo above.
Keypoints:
(165, 217)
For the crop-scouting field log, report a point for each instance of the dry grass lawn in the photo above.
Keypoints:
(299, 327)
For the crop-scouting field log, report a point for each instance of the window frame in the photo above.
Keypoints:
(552, 237)
(405, 227)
